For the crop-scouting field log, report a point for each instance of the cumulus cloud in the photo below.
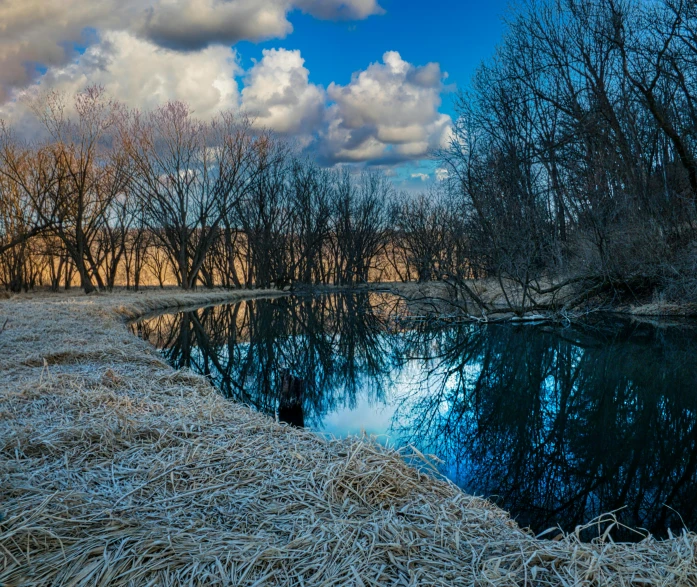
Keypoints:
(279, 95)
(388, 113)
(145, 52)
(196, 24)
(143, 75)
(442, 174)
(43, 33)
(340, 9)
(39, 34)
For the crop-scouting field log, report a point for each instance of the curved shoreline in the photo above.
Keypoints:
(117, 470)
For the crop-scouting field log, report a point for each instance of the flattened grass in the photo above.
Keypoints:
(116, 470)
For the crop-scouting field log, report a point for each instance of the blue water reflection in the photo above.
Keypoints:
(557, 425)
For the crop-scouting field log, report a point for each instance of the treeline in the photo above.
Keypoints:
(572, 169)
(575, 152)
(115, 197)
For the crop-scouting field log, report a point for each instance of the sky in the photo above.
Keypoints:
(357, 82)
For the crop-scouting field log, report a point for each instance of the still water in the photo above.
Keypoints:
(556, 425)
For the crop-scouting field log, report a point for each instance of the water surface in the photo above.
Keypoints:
(556, 425)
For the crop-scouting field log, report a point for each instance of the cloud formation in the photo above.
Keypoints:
(36, 34)
(146, 52)
(190, 25)
(195, 24)
(387, 114)
(279, 95)
(340, 9)
(141, 75)
(43, 33)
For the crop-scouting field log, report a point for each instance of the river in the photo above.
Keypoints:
(556, 424)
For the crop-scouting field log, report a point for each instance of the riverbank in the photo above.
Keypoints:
(117, 470)
(437, 299)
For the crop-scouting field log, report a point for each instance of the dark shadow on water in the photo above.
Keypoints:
(558, 425)
(300, 358)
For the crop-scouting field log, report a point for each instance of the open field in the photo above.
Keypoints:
(116, 470)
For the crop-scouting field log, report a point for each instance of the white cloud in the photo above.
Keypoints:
(43, 33)
(195, 24)
(36, 34)
(340, 9)
(278, 94)
(147, 52)
(143, 75)
(421, 176)
(387, 113)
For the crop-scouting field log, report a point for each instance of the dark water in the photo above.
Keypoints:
(556, 425)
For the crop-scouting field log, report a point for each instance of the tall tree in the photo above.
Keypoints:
(188, 174)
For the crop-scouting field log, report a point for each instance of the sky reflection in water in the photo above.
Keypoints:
(557, 425)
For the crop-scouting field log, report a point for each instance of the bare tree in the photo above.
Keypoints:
(27, 177)
(574, 153)
(359, 226)
(311, 204)
(75, 176)
(263, 214)
(187, 174)
(424, 233)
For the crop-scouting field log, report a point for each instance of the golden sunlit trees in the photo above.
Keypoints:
(187, 174)
(71, 177)
(26, 179)
(109, 195)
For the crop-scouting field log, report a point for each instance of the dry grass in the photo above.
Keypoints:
(116, 470)
(663, 309)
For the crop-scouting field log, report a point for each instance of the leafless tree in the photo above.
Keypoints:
(71, 178)
(574, 152)
(263, 215)
(359, 225)
(187, 174)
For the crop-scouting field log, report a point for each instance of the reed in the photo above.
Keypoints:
(116, 470)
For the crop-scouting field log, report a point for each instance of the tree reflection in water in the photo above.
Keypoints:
(557, 425)
(298, 357)
(563, 425)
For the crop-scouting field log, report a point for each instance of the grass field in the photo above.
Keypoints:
(115, 470)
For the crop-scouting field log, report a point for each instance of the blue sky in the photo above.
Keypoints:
(456, 34)
(352, 82)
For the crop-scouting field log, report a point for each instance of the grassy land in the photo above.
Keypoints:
(116, 470)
